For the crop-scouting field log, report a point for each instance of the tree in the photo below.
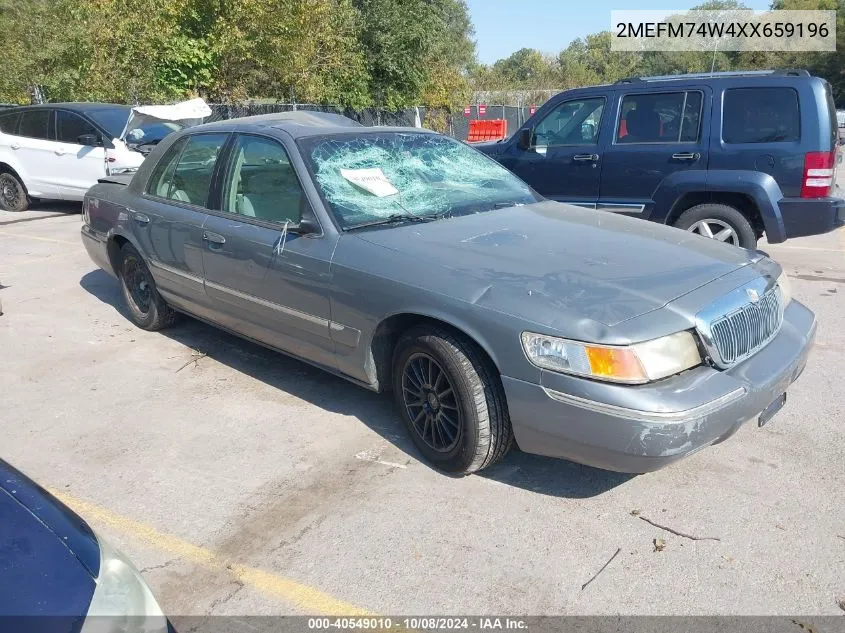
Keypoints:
(407, 43)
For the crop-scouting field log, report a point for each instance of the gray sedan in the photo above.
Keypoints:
(408, 262)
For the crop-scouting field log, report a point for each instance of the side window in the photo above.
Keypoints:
(34, 124)
(571, 123)
(691, 124)
(9, 123)
(667, 117)
(192, 177)
(760, 115)
(261, 183)
(162, 176)
(70, 126)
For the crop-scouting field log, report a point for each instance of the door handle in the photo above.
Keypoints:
(59, 152)
(141, 218)
(213, 238)
(15, 146)
(586, 157)
(686, 156)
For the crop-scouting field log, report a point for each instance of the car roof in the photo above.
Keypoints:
(75, 106)
(730, 78)
(299, 124)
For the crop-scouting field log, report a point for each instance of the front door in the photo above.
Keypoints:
(80, 164)
(656, 135)
(268, 282)
(564, 161)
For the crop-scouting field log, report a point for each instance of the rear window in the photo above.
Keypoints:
(670, 117)
(760, 115)
(9, 123)
(34, 124)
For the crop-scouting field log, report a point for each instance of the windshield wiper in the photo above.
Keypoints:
(396, 218)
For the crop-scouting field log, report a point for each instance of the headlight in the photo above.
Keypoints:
(122, 597)
(785, 289)
(633, 364)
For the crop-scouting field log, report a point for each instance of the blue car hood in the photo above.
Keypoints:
(49, 557)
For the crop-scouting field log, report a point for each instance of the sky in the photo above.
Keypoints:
(504, 26)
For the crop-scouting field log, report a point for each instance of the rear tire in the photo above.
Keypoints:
(146, 307)
(451, 399)
(720, 222)
(13, 194)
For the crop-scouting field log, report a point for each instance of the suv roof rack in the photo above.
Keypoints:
(787, 72)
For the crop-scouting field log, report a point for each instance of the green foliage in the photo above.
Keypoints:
(391, 52)
(590, 61)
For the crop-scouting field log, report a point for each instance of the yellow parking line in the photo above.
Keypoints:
(40, 239)
(307, 599)
(813, 248)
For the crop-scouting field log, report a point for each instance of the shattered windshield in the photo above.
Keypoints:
(400, 175)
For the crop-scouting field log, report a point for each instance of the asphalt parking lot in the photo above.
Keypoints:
(244, 482)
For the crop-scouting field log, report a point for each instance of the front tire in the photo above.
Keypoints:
(146, 307)
(719, 222)
(451, 399)
(13, 194)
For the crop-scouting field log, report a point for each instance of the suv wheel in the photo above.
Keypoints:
(13, 196)
(719, 222)
(451, 399)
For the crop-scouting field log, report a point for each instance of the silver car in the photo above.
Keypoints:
(408, 262)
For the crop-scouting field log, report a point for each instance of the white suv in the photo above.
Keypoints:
(60, 150)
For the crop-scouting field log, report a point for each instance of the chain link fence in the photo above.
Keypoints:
(458, 122)
(367, 116)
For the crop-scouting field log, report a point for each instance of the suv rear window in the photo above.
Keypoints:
(760, 115)
(34, 124)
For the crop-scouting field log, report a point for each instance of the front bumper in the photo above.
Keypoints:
(638, 429)
(803, 217)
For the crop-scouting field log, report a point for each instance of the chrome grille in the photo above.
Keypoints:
(740, 333)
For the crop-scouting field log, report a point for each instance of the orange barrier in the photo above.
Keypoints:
(487, 130)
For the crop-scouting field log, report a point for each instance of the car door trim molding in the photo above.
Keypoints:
(620, 207)
(342, 333)
(176, 272)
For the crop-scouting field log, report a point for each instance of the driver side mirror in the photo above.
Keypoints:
(524, 139)
(90, 140)
(308, 226)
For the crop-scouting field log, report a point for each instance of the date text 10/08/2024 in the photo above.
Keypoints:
(419, 623)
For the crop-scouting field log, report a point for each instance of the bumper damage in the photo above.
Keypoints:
(644, 428)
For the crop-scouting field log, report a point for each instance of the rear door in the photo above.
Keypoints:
(657, 132)
(170, 224)
(80, 164)
(36, 153)
(564, 160)
(268, 282)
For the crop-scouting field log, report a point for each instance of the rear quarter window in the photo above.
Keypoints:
(9, 123)
(760, 115)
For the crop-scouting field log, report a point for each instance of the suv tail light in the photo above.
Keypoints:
(819, 174)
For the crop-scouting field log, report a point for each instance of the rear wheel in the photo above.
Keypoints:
(719, 222)
(451, 399)
(13, 196)
(146, 307)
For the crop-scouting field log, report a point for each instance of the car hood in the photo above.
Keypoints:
(552, 263)
(39, 569)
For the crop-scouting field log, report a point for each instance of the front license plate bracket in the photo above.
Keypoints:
(770, 411)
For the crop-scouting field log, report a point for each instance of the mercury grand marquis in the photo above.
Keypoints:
(408, 262)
